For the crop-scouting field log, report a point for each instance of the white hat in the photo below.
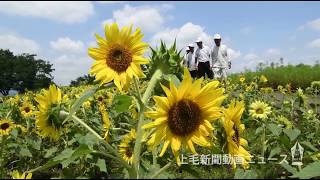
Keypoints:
(216, 36)
(198, 40)
(190, 45)
(187, 48)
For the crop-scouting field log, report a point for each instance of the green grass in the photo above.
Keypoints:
(298, 76)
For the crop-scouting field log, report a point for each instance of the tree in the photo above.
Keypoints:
(21, 72)
(83, 80)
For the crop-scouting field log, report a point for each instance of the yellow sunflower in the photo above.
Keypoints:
(263, 79)
(16, 175)
(106, 120)
(48, 119)
(185, 115)
(126, 146)
(233, 129)
(6, 126)
(259, 109)
(119, 56)
(242, 79)
(26, 109)
(284, 122)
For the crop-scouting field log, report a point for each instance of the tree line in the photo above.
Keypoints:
(23, 72)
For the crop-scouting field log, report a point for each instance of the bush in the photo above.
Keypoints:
(297, 76)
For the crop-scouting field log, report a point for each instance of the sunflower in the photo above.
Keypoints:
(48, 119)
(259, 109)
(284, 122)
(263, 79)
(185, 115)
(16, 175)
(242, 79)
(6, 126)
(126, 146)
(119, 56)
(26, 109)
(233, 129)
(106, 120)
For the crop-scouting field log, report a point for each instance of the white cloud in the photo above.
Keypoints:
(273, 52)
(185, 35)
(246, 30)
(315, 43)
(69, 67)
(18, 44)
(315, 24)
(67, 12)
(251, 57)
(148, 18)
(65, 44)
(234, 54)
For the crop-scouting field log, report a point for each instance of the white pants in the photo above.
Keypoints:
(220, 73)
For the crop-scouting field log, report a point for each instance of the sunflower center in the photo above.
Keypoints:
(4, 126)
(100, 98)
(259, 111)
(236, 135)
(119, 58)
(184, 117)
(26, 109)
(129, 150)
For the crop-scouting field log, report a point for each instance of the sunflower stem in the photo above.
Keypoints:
(143, 101)
(109, 147)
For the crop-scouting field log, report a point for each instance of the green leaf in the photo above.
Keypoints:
(65, 154)
(81, 150)
(258, 130)
(25, 152)
(248, 174)
(50, 152)
(275, 129)
(172, 78)
(274, 151)
(101, 163)
(289, 168)
(310, 171)
(292, 133)
(309, 145)
(76, 105)
(122, 103)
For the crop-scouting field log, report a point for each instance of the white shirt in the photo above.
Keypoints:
(191, 61)
(203, 54)
(220, 57)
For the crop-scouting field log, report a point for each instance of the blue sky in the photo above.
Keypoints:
(61, 32)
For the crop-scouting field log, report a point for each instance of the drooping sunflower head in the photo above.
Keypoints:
(6, 126)
(233, 129)
(185, 115)
(285, 122)
(105, 120)
(48, 120)
(118, 56)
(126, 146)
(259, 109)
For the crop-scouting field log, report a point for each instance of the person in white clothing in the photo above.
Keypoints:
(220, 59)
(191, 62)
(185, 57)
(203, 60)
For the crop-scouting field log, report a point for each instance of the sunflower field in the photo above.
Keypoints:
(147, 118)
